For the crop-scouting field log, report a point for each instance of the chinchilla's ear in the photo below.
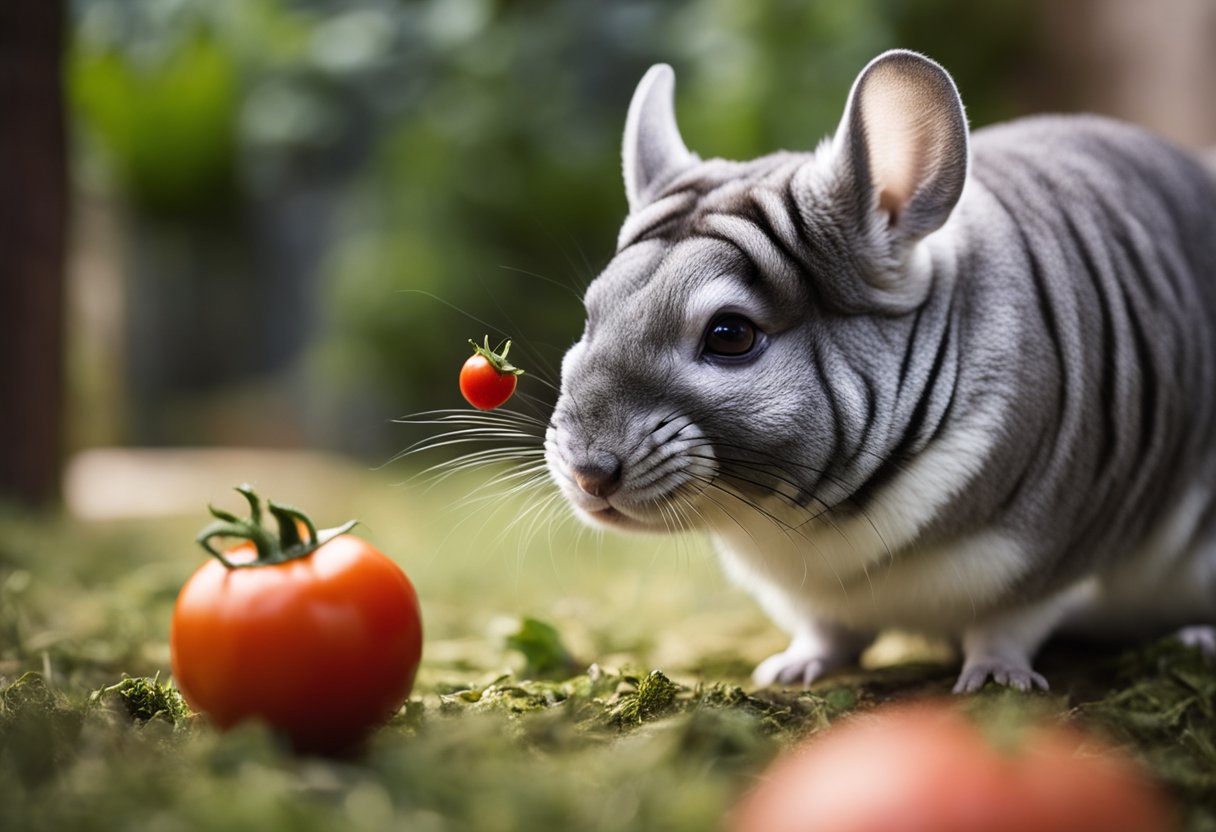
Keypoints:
(902, 144)
(653, 153)
(890, 176)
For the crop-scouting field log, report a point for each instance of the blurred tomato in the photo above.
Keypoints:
(926, 767)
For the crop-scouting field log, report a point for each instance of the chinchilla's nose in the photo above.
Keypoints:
(598, 474)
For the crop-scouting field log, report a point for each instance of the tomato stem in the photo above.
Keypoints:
(271, 549)
(497, 358)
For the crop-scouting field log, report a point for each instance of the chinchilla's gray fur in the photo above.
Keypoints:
(982, 393)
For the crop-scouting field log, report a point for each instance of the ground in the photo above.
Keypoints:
(663, 732)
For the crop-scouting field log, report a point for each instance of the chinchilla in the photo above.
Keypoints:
(918, 378)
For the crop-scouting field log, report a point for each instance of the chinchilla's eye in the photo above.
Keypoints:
(731, 336)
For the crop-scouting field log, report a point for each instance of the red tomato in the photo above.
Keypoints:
(927, 768)
(487, 379)
(322, 646)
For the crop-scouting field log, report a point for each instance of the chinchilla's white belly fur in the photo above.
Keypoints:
(863, 571)
(1166, 583)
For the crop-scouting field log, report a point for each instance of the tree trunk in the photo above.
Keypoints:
(33, 207)
(1152, 63)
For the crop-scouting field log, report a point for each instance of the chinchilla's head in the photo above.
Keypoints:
(736, 345)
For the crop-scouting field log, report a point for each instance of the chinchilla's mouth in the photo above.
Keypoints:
(656, 492)
(654, 513)
(614, 517)
(609, 515)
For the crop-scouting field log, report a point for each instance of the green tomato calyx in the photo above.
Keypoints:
(286, 546)
(497, 358)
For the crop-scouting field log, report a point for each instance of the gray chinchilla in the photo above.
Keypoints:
(917, 378)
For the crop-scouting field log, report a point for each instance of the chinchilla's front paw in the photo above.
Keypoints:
(811, 654)
(1001, 647)
(1017, 675)
(790, 668)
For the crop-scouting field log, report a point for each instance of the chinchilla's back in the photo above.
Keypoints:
(1109, 236)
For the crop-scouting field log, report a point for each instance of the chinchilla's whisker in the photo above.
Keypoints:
(716, 483)
(825, 513)
(535, 403)
(452, 439)
(865, 515)
(683, 553)
(789, 531)
(492, 513)
(684, 510)
(657, 471)
(521, 345)
(442, 465)
(548, 383)
(726, 467)
(539, 276)
(677, 510)
(688, 504)
(489, 326)
(512, 526)
(773, 460)
(710, 487)
(534, 514)
(548, 373)
(789, 500)
(461, 437)
(454, 467)
(500, 414)
(776, 469)
(720, 442)
(481, 432)
(773, 463)
(475, 459)
(516, 482)
(521, 481)
(823, 474)
(666, 517)
(575, 268)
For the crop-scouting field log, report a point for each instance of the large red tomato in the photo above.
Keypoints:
(926, 767)
(317, 635)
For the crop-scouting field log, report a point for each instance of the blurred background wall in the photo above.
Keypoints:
(288, 216)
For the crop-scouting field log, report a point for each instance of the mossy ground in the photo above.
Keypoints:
(508, 728)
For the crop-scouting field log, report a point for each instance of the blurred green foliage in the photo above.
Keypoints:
(171, 128)
(470, 147)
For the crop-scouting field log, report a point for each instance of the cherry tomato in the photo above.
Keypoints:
(318, 635)
(926, 767)
(487, 379)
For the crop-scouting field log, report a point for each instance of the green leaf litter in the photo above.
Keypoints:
(92, 738)
(39, 729)
(540, 643)
(523, 740)
(146, 699)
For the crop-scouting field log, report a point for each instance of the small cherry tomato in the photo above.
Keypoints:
(927, 767)
(316, 634)
(487, 379)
